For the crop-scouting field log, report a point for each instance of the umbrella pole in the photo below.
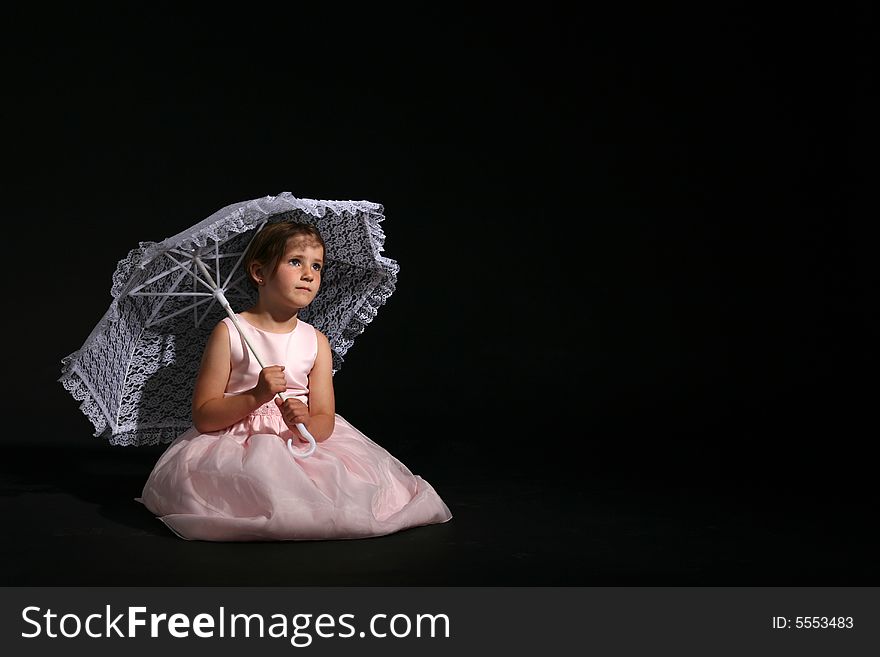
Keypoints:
(221, 299)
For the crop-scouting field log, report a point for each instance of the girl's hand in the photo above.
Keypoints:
(294, 412)
(271, 381)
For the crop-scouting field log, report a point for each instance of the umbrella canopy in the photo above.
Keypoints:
(135, 372)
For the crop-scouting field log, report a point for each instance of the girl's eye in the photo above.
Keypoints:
(294, 261)
(317, 267)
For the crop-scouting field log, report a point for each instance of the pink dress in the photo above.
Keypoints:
(242, 483)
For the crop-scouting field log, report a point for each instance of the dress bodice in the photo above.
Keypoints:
(296, 351)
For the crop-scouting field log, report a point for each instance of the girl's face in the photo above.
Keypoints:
(297, 278)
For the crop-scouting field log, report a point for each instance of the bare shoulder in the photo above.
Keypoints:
(219, 335)
(218, 341)
(324, 356)
(322, 339)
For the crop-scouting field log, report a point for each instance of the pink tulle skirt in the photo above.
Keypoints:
(242, 484)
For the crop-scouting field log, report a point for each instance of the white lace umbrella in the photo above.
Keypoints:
(136, 371)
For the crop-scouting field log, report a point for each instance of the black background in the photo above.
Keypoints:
(630, 341)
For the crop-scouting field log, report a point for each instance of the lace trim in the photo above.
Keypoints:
(145, 436)
(266, 409)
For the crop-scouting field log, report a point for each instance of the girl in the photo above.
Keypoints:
(231, 477)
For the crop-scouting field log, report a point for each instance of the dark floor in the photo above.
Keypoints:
(624, 511)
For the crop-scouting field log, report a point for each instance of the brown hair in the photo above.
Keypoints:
(268, 245)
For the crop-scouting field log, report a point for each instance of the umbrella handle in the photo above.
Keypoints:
(313, 445)
(300, 454)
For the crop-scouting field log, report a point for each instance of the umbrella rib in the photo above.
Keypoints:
(233, 254)
(235, 284)
(197, 260)
(238, 262)
(195, 286)
(155, 278)
(172, 294)
(177, 312)
(231, 285)
(236, 291)
(198, 319)
(185, 254)
(161, 303)
(191, 271)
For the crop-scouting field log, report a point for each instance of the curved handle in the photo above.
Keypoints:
(301, 454)
(313, 445)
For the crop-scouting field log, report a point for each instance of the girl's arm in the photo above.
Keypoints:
(322, 402)
(211, 409)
